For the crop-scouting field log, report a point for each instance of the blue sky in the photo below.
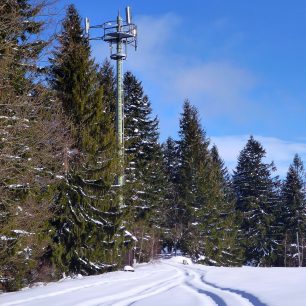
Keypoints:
(242, 63)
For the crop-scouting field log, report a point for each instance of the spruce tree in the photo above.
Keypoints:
(292, 218)
(31, 146)
(205, 202)
(193, 179)
(256, 201)
(173, 228)
(226, 250)
(88, 223)
(145, 176)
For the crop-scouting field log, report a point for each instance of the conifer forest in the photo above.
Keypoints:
(60, 208)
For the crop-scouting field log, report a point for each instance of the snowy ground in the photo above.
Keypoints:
(169, 282)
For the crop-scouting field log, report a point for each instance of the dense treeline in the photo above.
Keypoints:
(60, 210)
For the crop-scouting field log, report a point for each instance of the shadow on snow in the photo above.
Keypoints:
(252, 298)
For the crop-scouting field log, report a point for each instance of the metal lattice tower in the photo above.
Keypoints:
(121, 34)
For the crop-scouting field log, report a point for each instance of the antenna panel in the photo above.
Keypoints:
(87, 25)
(128, 15)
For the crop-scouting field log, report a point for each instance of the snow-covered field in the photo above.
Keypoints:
(169, 282)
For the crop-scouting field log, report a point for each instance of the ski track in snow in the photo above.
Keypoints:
(168, 283)
(138, 293)
(195, 279)
(58, 293)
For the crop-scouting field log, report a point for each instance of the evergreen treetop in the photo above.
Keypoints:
(257, 200)
(73, 72)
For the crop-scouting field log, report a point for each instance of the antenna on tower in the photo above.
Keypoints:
(128, 15)
(87, 26)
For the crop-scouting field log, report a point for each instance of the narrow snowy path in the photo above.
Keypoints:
(165, 283)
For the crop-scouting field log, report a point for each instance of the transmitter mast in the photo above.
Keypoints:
(119, 34)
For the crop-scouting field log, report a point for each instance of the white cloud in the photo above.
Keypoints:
(278, 150)
(153, 37)
(217, 87)
(214, 86)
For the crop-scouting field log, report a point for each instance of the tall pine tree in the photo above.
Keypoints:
(173, 228)
(193, 178)
(292, 218)
(88, 223)
(31, 145)
(145, 175)
(226, 247)
(257, 201)
(205, 201)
